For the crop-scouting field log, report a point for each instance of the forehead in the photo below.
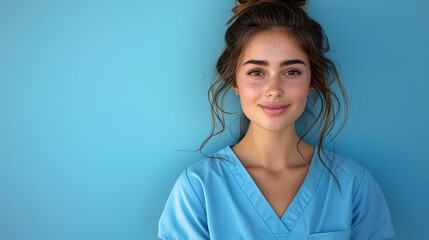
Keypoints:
(272, 45)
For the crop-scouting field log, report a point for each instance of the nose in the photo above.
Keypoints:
(274, 87)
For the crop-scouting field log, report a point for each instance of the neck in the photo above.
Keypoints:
(274, 150)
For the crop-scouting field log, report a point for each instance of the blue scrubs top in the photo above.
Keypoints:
(216, 198)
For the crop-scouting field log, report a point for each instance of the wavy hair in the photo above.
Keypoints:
(252, 17)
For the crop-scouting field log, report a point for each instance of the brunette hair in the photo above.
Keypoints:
(253, 16)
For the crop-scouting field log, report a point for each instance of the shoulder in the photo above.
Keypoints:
(210, 166)
(209, 170)
(345, 164)
(353, 178)
(185, 212)
(348, 171)
(211, 163)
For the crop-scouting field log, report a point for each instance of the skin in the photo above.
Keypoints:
(273, 70)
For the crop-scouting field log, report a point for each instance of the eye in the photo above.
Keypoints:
(292, 73)
(255, 73)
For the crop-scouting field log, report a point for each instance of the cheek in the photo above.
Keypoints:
(249, 95)
(250, 91)
(298, 92)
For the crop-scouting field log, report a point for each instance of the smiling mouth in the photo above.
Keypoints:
(274, 108)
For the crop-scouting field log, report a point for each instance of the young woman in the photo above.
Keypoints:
(272, 184)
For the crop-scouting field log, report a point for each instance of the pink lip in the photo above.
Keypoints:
(274, 108)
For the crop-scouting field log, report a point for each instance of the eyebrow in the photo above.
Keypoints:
(284, 63)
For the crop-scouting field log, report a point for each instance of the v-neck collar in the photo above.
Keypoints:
(285, 224)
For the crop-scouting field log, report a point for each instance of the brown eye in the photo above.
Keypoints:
(293, 73)
(255, 73)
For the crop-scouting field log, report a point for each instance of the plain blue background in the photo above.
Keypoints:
(98, 98)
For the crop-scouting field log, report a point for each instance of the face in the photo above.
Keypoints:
(273, 81)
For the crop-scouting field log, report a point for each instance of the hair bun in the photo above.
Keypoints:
(297, 3)
(244, 4)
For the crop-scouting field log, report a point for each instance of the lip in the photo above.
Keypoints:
(274, 108)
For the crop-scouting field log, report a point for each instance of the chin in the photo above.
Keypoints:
(276, 127)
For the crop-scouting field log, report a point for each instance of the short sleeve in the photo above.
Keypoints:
(371, 216)
(184, 216)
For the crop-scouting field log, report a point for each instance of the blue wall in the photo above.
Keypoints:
(98, 98)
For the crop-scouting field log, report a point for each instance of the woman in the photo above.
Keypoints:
(272, 184)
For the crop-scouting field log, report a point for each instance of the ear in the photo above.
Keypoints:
(237, 93)
(235, 88)
(309, 90)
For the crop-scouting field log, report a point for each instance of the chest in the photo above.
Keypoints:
(279, 188)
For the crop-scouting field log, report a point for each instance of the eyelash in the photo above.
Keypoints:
(259, 72)
(254, 72)
(296, 72)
